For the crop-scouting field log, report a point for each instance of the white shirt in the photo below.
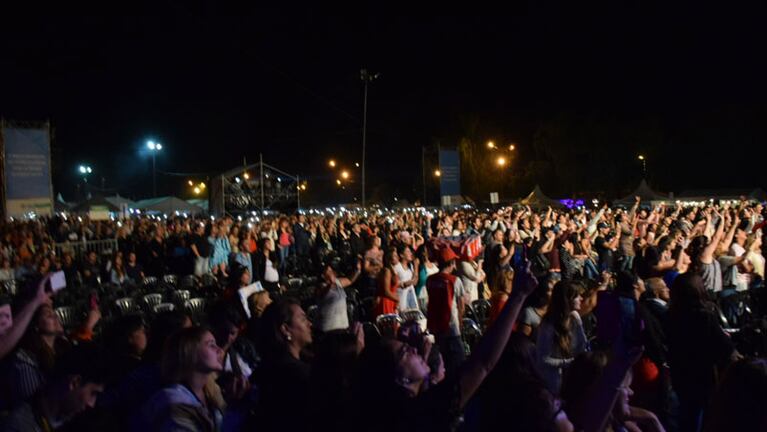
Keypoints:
(455, 322)
(270, 273)
(468, 271)
(743, 278)
(332, 309)
(404, 274)
(407, 298)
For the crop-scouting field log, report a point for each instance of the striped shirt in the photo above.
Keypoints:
(25, 376)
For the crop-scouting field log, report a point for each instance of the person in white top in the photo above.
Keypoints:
(471, 276)
(754, 253)
(407, 273)
(738, 250)
(331, 294)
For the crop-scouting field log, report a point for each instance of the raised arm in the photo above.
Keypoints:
(592, 411)
(490, 348)
(549, 245)
(346, 282)
(707, 256)
(633, 212)
(725, 244)
(21, 321)
(592, 226)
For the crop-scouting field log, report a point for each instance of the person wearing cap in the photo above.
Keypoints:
(445, 306)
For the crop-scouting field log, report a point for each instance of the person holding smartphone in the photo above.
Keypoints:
(15, 327)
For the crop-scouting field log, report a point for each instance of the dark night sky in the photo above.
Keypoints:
(214, 88)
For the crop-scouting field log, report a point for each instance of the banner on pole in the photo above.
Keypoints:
(27, 172)
(450, 166)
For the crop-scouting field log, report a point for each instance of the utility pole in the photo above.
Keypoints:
(366, 78)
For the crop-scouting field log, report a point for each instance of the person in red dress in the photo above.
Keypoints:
(386, 293)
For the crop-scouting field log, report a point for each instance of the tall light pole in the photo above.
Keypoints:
(366, 78)
(84, 170)
(644, 165)
(154, 148)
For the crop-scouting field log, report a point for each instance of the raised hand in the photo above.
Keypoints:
(524, 281)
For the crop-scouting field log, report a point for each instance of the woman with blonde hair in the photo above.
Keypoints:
(190, 360)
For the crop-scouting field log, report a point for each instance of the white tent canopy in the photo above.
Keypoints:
(647, 195)
(118, 201)
(538, 199)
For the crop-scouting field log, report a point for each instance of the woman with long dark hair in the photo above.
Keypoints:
(387, 297)
(285, 332)
(537, 306)
(560, 336)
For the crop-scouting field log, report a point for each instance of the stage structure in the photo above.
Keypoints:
(25, 162)
(255, 187)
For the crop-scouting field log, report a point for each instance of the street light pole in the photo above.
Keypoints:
(366, 77)
(154, 176)
(423, 173)
(154, 148)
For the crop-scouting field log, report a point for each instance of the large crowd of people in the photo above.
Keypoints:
(646, 318)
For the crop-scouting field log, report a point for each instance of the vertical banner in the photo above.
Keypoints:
(450, 166)
(27, 172)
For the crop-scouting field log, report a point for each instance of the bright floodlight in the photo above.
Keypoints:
(246, 176)
(197, 190)
(437, 173)
(151, 145)
(332, 163)
(202, 185)
(501, 161)
(345, 175)
(83, 169)
(89, 170)
(490, 144)
(190, 183)
(511, 147)
(641, 157)
(338, 182)
(158, 146)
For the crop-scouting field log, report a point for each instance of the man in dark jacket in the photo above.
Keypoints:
(301, 236)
